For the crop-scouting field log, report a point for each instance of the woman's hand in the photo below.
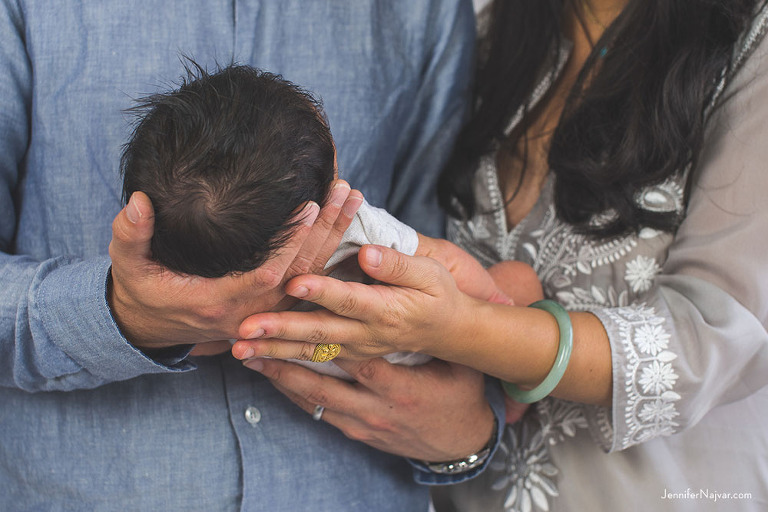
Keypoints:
(469, 275)
(434, 412)
(417, 314)
(156, 308)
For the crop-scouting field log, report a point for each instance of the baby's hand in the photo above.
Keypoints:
(518, 280)
(515, 410)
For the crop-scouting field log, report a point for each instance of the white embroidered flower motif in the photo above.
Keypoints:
(640, 273)
(527, 472)
(478, 227)
(658, 411)
(560, 419)
(657, 378)
(655, 430)
(651, 339)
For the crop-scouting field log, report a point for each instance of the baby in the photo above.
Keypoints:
(227, 159)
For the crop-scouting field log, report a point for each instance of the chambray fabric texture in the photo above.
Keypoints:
(87, 422)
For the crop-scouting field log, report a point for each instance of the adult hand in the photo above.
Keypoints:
(469, 275)
(433, 412)
(155, 307)
(422, 310)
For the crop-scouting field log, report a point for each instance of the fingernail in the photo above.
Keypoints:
(255, 365)
(258, 333)
(351, 205)
(310, 213)
(299, 292)
(373, 256)
(339, 194)
(132, 211)
(249, 353)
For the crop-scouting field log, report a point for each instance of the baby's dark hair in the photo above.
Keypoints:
(226, 159)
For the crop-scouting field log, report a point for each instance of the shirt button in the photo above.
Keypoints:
(252, 415)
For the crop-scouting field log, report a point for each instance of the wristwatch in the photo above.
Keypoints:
(469, 462)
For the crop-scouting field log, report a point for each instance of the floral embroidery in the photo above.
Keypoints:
(651, 339)
(640, 273)
(562, 258)
(560, 419)
(525, 469)
(657, 378)
(479, 229)
(608, 276)
(650, 377)
(524, 466)
(658, 411)
(579, 298)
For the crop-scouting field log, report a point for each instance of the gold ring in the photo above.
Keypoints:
(324, 352)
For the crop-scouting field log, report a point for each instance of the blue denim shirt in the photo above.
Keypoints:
(87, 422)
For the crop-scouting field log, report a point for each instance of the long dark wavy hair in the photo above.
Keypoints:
(640, 120)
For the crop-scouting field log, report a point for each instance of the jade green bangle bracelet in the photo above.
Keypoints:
(561, 360)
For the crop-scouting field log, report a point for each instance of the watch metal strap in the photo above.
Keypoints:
(469, 462)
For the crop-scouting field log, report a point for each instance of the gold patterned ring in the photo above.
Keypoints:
(324, 352)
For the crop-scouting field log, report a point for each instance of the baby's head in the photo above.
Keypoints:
(226, 160)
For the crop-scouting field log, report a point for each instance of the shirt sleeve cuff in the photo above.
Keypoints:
(75, 314)
(421, 473)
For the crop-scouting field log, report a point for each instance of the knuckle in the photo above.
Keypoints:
(320, 397)
(347, 305)
(118, 229)
(375, 423)
(305, 352)
(325, 221)
(399, 267)
(433, 275)
(434, 269)
(356, 434)
(368, 370)
(268, 276)
(112, 250)
(392, 318)
(379, 424)
(275, 373)
(317, 336)
(300, 265)
(318, 265)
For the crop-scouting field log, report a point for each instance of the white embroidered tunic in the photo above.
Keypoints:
(686, 316)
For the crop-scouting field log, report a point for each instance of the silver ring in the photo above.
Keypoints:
(318, 412)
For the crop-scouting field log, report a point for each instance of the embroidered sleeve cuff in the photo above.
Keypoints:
(644, 379)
